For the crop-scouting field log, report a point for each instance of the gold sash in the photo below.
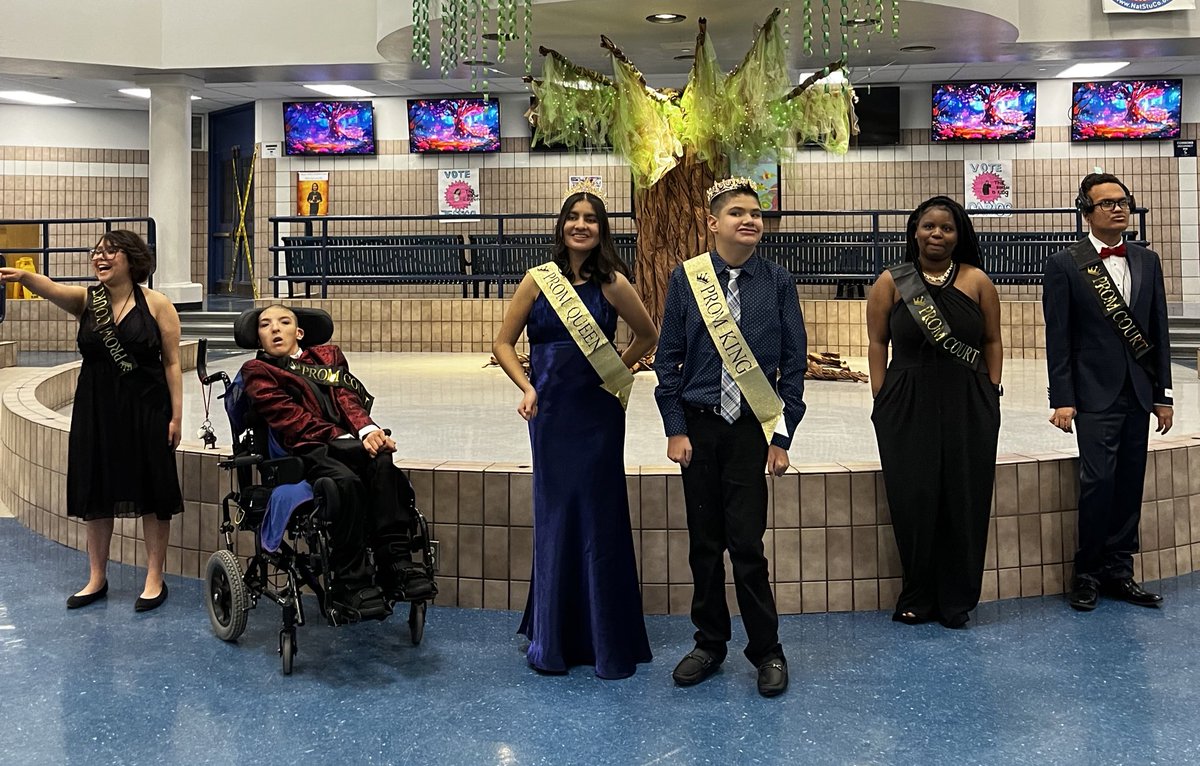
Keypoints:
(614, 375)
(736, 355)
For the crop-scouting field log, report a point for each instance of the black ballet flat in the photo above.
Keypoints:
(74, 602)
(147, 604)
(956, 621)
(909, 618)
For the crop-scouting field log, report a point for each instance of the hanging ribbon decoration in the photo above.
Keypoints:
(240, 239)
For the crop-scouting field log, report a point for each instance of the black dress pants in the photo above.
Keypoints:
(725, 490)
(374, 506)
(1112, 469)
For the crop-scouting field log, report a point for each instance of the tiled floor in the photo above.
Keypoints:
(1031, 682)
(449, 407)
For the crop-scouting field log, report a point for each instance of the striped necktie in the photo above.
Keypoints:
(731, 397)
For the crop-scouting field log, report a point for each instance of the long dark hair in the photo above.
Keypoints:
(137, 252)
(966, 248)
(603, 264)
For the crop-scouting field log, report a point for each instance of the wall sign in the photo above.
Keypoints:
(988, 186)
(1147, 6)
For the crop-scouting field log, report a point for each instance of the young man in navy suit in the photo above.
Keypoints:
(1109, 361)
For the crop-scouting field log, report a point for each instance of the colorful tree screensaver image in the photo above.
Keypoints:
(1126, 109)
(996, 111)
(454, 125)
(329, 127)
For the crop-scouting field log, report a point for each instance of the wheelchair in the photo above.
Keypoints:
(303, 554)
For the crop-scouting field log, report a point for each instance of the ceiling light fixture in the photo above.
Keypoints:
(833, 78)
(37, 99)
(340, 91)
(685, 57)
(918, 49)
(143, 93)
(498, 36)
(860, 21)
(1091, 70)
(665, 18)
(478, 62)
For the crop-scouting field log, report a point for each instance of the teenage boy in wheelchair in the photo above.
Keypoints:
(319, 412)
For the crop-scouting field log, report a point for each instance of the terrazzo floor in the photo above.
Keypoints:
(1030, 682)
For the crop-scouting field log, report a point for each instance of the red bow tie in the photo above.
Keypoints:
(1118, 251)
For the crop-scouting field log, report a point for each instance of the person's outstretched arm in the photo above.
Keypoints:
(68, 298)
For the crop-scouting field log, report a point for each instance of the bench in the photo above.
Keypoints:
(845, 259)
(504, 260)
(363, 260)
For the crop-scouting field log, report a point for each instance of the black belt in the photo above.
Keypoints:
(715, 411)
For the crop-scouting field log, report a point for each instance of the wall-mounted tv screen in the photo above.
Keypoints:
(1123, 110)
(328, 127)
(984, 111)
(454, 125)
(878, 111)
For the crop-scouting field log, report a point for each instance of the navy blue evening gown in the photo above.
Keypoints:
(585, 604)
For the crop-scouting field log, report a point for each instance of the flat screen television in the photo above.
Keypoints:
(328, 127)
(878, 111)
(1126, 110)
(453, 125)
(984, 111)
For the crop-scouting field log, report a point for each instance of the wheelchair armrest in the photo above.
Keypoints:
(241, 462)
(284, 470)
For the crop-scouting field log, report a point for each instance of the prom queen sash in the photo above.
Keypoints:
(929, 317)
(1117, 313)
(735, 353)
(615, 377)
(100, 305)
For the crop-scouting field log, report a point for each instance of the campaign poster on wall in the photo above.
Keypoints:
(458, 192)
(988, 186)
(765, 176)
(1147, 6)
(312, 193)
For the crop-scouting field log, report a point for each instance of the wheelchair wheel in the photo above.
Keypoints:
(287, 649)
(227, 600)
(416, 621)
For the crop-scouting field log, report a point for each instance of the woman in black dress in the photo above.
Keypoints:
(937, 410)
(125, 423)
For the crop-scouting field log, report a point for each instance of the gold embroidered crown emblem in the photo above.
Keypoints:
(589, 185)
(919, 300)
(729, 184)
(1094, 271)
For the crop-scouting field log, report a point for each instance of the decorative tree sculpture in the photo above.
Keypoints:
(677, 143)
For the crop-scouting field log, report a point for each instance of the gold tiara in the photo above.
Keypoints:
(728, 185)
(586, 185)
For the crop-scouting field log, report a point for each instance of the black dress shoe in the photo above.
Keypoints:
(698, 665)
(74, 602)
(147, 604)
(772, 677)
(1128, 590)
(1084, 594)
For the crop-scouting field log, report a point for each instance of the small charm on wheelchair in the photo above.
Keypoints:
(207, 434)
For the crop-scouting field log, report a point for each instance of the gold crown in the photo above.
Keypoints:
(1094, 271)
(729, 184)
(919, 300)
(587, 185)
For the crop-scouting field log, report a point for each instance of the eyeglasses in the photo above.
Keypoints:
(1112, 204)
(105, 252)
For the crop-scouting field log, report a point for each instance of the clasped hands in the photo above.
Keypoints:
(679, 450)
(377, 441)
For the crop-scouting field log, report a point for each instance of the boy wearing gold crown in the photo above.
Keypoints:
(730, 362)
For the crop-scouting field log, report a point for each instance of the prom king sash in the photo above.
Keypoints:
(615, 377)
(331, 377)
(735, 353)
(933, 323)
(1116, 312)
(101, 305)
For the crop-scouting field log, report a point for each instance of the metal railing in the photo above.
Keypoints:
(59, 241)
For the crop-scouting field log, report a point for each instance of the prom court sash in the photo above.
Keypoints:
(331, 377)
(930, 319)
(615, 377)
(101, 305)
(1116, 312)
(735, 353)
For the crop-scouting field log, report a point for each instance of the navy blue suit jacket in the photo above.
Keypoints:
(1087, 362)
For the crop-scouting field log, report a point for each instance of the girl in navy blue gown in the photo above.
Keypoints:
(585, 605)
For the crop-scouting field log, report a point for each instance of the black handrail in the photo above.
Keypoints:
(45, 251)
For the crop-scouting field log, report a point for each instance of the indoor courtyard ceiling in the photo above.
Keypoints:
(981, 40)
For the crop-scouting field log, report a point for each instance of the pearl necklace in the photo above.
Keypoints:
(939, 279)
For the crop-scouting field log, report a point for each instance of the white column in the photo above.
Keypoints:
(171, 185)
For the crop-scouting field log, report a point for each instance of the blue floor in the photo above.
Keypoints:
(1030, 682)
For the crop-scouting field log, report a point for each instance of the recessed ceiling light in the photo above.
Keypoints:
(918, 48)
(665, 18)
(38, 99)
(143, 93)
(478, 62)
(860, 21)
(340, 91)
(1093, 69)
(498, 36)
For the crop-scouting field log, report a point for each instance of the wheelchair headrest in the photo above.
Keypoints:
(316, 323)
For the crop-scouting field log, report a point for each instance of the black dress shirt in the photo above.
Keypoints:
(689, 367)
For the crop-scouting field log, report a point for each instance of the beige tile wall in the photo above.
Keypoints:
(8, 354)
(829, 539)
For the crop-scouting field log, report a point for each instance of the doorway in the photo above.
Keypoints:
(230, 150)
